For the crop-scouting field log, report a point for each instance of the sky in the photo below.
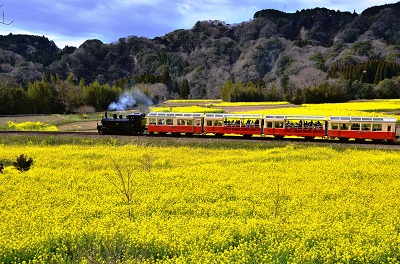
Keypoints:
(72, 22)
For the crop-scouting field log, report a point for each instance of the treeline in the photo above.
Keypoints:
(330, 91)
(240, 91)
(372, 71)
(181, 89)
(53, 95)
(258, 92)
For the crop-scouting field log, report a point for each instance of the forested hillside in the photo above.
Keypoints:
(314, 55)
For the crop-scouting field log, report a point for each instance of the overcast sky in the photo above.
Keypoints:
(71, 22)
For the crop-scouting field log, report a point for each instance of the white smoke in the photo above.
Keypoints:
(130, 99)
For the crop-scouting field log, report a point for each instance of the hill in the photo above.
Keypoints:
(284, 53)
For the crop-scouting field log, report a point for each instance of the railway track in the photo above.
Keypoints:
(201, 138)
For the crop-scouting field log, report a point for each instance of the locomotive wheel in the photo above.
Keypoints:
(103, 131)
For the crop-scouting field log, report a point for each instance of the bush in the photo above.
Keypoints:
(23, 163)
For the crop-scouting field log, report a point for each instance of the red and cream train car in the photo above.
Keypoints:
(220, 124)
(308, 127)
(362, 128)
(175, 123)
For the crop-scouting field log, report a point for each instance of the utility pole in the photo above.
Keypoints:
(3, 21)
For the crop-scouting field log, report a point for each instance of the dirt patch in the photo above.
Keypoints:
(79, 126)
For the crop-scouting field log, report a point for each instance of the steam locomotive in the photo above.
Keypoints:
(377, 129)
(132, 124)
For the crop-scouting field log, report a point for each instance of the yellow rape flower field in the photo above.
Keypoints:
(200, 203)
(357, 108)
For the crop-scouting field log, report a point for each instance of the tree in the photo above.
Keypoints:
(184, 89)
(100, 96)
(43, 96)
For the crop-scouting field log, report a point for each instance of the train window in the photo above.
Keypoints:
(278, 124)
(377, 127)
(209, 123)
(161, 121)
(389, 128)
(169, 122)
(355, 126)
(269, 124)
(335, 126)
(366, 127)
(344, 127)
(190, 122)
(152, 121)
(198, 122)
(181, 122)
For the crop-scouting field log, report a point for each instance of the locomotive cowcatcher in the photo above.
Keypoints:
(132, 124)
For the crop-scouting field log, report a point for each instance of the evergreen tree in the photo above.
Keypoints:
(184, 89)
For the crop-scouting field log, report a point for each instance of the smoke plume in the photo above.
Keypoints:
(130, 99)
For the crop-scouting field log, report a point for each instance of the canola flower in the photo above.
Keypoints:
(250, 103)
(357, 108)
(195, 101)
(29, 126)
(187, 109)
(266, 204)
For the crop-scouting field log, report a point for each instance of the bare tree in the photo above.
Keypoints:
(3, 21)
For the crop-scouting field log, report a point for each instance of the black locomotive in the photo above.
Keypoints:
(132, 124)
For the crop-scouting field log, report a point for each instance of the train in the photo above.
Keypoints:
(343, 128)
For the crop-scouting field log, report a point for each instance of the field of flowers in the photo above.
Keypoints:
(357, 108)
(207, 203)
(387, 107)
(28, 126)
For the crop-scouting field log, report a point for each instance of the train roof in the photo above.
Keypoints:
(294, 117)
(135, 114)
(219, 116)
(363, 119)
(169, 114)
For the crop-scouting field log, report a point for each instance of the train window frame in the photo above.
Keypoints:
(169, 121)
(355, 126)
(160, 121)
(377, 127)
(198, 122)
(189, 122)
(335, 126)
(366, 127)
(344, 126)
(152, 121)
(181, 122)
(269, 124)
(389, 128)
(278, 124)
(217, 123)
